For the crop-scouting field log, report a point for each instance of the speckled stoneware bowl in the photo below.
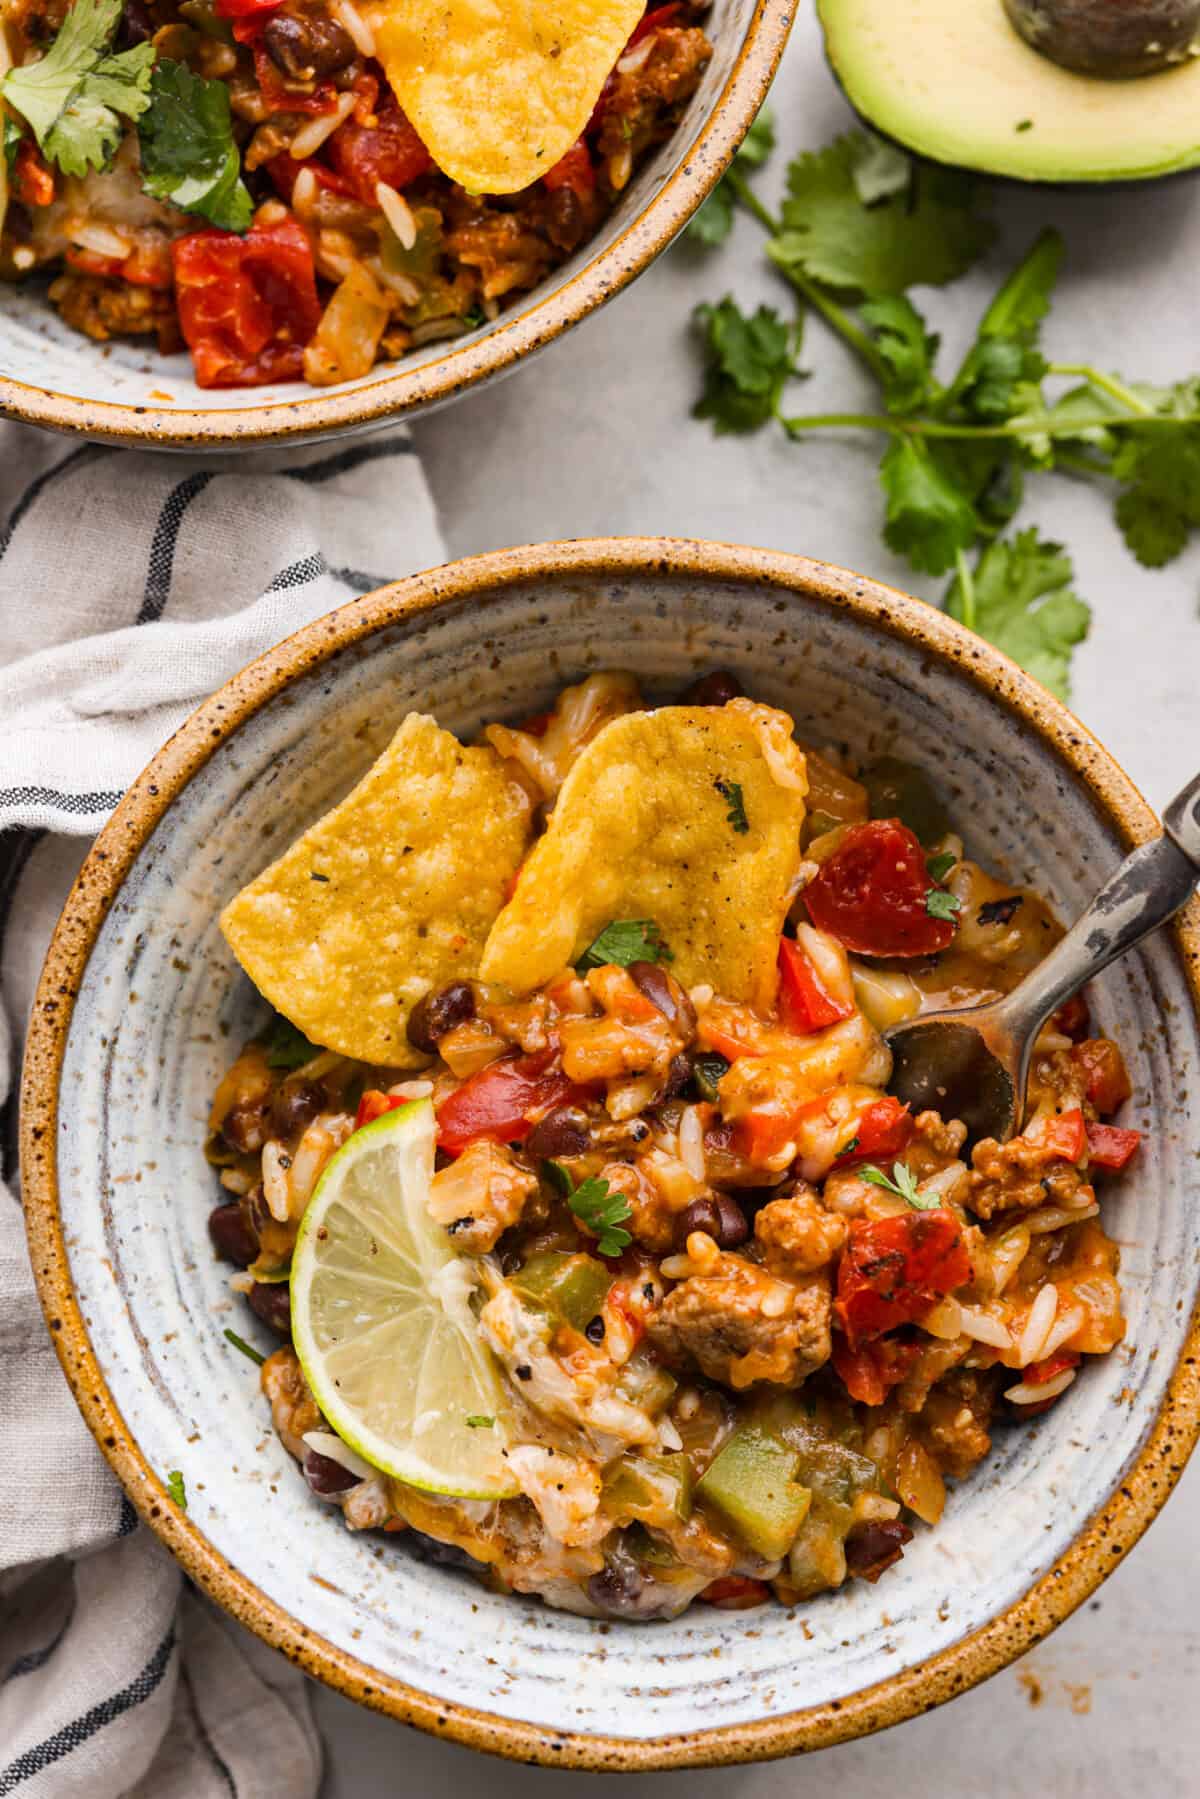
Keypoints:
(123, 392)
(141, 1003)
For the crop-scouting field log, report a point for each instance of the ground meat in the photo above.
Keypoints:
(652, 1220)
(954, 1422)
(740, 1325)
(797, 1234)
(293, 1408)
(1017, 1177)
(640, 104)
(507, 248)
(102, 306)
(480, 1196)
(941, 1141)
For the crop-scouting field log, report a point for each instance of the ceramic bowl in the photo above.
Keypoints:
(122, 392)
(140, 1006)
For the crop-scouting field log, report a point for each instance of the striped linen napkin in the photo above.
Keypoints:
(131, 585)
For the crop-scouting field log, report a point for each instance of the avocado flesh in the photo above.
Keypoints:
(951, 79)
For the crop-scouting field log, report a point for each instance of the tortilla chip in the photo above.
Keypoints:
(500, 92)
(387, 897)
(689, 817)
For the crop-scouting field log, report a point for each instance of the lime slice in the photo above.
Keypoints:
(382, 1322)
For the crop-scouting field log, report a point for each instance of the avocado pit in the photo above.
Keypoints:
(1113, 39)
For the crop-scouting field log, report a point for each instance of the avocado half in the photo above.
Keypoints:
(952, 80)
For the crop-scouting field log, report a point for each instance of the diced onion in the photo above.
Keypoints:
(323, 1442)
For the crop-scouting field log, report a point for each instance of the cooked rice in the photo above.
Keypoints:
(986, 1329)
(353, 23)
(1031, 1344)
(1048, 1389)
(313, 133)
(398, 213)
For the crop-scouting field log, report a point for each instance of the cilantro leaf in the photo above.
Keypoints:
(748, 361)
(902, 1182)
(714, 221)
(930, 233)
(11, 142)
(286, 1046)
(880, 170)
(1160, 503)
(941, 904)
(930, 516)
(1019, 597)
(1023, 302)
(731, 793)
(176, 1491)
(75, 97)
(907, 349)
(187, 149)
(597, 1207)
(939, 866)
(623, 941)
(479, 1421)
(240, 1343)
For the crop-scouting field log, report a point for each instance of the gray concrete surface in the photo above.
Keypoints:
(595, 437)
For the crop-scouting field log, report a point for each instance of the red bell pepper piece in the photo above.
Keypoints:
(869, 1372)
(389, 151)
(284, 169)
(1038, 1373)
(894, 1269)
(1061, 1134)
(503, 1101)
(804, 1005)
(871, 894)
(884, 1132)
(1110, 1147)
(247, 305)
(33, 178)
(1103, 1068)
(374, 1104)
(654, 20)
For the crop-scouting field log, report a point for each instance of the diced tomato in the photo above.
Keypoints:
(33, 178)
(871, 894)
(654, 20)
(894, 1269)
(1110, 1147)
(1038, 1373)
(804, 1005)
(1103, 1068)
(284, 169)
(388, 151)
(1060, 1134)
(735, 1592)
(1072, 1019)
(574, 170)
(247, 305)
(870, 1371)
(884, 1132)
(758, 1136)
(373, 1105)
(503, 1101)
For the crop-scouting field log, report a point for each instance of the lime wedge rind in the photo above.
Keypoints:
(404, 1413)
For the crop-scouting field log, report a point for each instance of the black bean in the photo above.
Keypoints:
(874, 1547)
(679, 1076)
(565, 221)
(617, 1588)
(438, 1013)
(594, 1329)
(663, 991)
(441, 1555)
(234, 1237)
(719, 1216)
(272, 1302)
(1001, 911)
(295, 1105)
(244, 1126)
(134, 27)
(563, 1132)
(716, 689)
(304, 46)
(327, 1477)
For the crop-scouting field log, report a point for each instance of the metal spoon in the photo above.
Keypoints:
(972, 1063)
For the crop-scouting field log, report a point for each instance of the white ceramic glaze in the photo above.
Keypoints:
(161, 1007)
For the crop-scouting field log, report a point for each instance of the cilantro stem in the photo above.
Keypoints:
(1016, 428)
(834, 316)
(1108, 384)
(966, 584)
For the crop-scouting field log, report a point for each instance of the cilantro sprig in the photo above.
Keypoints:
(75, 98)
(176, 1490)
(860, 226)
(623, 941)
(903, 1182)
(598, 1208)
(735, 799)
(187, 150)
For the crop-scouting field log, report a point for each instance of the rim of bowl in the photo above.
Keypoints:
(1099, 1546)
(315, 414)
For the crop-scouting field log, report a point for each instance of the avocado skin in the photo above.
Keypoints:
(1112, 39)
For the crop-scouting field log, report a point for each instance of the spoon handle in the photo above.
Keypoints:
(1149, 887)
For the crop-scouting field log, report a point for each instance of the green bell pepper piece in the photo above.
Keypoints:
(647, 1490)
(572, 1287)
(898, 790)
(751, 1486)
